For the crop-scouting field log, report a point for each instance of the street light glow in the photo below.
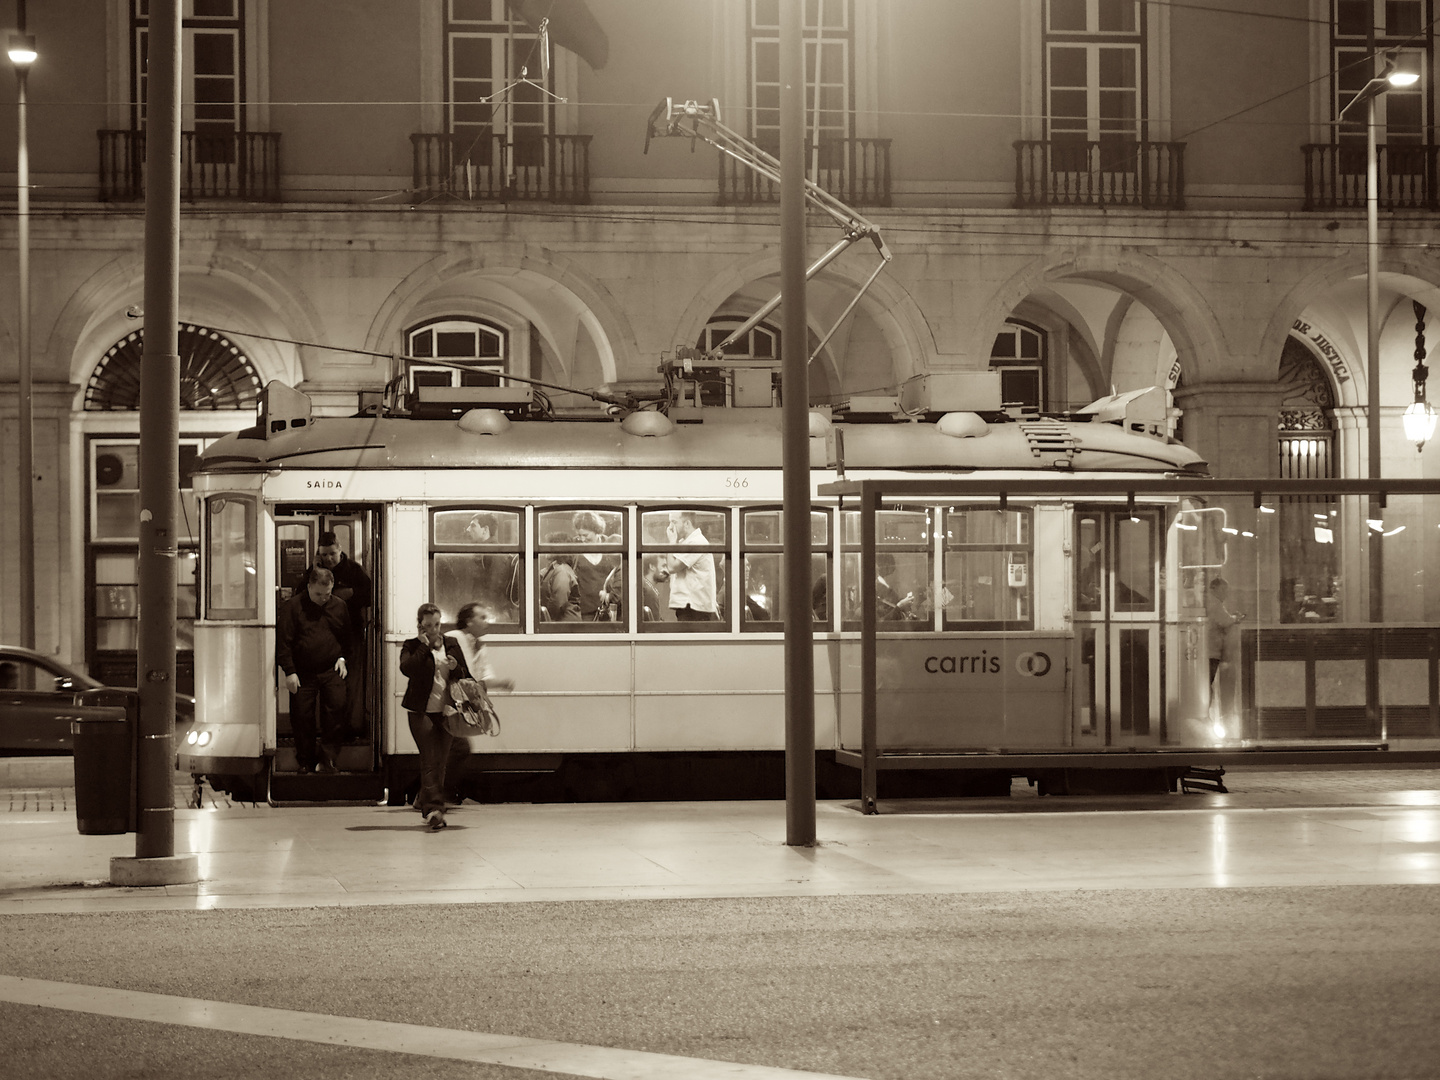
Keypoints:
(22, 50)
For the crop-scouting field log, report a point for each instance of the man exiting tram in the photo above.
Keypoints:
(353, 586)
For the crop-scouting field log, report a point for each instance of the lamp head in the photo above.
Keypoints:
(22, 50)
(1402, 68)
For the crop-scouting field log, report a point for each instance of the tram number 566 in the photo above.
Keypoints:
(736, 483)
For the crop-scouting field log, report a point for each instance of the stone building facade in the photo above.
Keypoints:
(1092, 195)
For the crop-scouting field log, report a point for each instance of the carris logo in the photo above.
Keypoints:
(1033, 663)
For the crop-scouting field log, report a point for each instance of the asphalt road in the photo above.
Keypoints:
(1337, 983)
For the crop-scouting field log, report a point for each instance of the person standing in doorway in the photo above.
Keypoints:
(312, 646)
(354, 588)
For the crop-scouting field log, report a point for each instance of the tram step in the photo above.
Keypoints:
(335, 789)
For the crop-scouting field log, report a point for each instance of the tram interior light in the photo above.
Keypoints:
(1267, 509)
(1376, 524)
(1228, 529)
(1392, 532)
(1324, 535)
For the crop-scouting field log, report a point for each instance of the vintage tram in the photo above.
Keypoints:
(628, 700)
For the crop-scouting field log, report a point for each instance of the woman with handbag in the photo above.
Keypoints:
(432, 662)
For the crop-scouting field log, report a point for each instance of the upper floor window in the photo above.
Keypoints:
(1401, 114)
(212, 84)
(487, 98)
(1095, 71)
(829, 72)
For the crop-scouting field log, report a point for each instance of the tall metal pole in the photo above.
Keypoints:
(1372, 356)
(159, 438)
(25, 505)
(799, 612)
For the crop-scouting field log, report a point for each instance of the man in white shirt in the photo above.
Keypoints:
(692, 575)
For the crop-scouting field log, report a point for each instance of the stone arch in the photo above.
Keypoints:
(887, 304)
(575, 315)
(1181, 309)
(1407, 278)
(225, 290)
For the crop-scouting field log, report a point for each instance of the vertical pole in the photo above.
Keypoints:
(1372, 359)
(799, 616)
(869, 676)
(25, 505)
(159, 438)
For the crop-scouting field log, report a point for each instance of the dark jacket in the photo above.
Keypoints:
(348, 575)
(418, 662)
(310, 637)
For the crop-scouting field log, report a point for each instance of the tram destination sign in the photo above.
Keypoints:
(970, 693)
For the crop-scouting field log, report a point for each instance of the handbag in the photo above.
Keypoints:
(474, 712)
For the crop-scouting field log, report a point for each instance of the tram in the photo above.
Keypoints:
(626, 700)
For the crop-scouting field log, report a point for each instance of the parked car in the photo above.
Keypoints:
(40, 697)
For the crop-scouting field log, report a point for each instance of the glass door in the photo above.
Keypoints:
(1118, 616)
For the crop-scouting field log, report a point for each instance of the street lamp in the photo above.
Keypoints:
(22, 55)
(1397, 73)
(1419, 417)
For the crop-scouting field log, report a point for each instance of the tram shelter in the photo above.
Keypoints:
(1336, 661)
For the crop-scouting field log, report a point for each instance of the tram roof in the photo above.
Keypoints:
(729, 443)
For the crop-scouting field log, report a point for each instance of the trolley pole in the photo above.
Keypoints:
(155, 862)
(799, 616)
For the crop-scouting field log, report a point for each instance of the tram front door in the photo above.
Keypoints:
(357, 532)
(1118, 619)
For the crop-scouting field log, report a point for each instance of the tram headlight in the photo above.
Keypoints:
(204, 739)
(191, 737)
(1218, 730)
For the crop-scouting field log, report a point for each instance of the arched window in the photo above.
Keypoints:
(1020, 354)
(214, 374)
(481, 348)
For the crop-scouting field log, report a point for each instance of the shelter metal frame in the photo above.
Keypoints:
(871, 493)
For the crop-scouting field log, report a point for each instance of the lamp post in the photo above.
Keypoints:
(22, 55)
(1394, 75)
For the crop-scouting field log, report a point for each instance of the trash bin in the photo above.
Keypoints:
(104, 744)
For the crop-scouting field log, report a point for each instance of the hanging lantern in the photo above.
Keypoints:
(1419, 418)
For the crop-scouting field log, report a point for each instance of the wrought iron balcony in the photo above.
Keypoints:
(1335, 177)
(1149, 175)
(228, 165)
(855, 171)
(542, 168)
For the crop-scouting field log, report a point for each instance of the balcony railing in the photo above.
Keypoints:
(543, 168)
(230, 165)
(855, 171)
(1335, 177)
(1150, 175)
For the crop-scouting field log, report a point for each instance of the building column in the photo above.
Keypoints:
(1233, 425)
(57, 583)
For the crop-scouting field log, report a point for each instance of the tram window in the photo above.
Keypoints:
(475, 556)
(231, 591)
(580, 570)
(683, 550)
(1135, 563)
(988, 561)
(903, 568)
(763, 566)
(1089, 554)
